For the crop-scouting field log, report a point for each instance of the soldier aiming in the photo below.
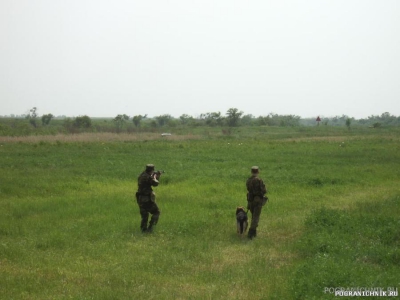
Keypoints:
(146, 198)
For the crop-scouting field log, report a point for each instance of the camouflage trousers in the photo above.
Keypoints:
(147, 207)
(255, 207)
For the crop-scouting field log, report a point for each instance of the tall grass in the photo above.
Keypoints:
(349, 248)
(69, 224)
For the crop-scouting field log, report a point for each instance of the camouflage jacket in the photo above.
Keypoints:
(255, 187)
(145, 183)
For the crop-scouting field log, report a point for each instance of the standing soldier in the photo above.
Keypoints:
(255, 199)
(146, 198)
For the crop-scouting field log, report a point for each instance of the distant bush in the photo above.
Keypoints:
(79, 124)
(83, 122)
(46, 119)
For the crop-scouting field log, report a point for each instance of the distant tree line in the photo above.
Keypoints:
(124, 123)
(375, 121)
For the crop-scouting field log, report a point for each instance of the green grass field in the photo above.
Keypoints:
(69, 222)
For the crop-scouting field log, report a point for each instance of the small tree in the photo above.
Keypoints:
(46, 119)
(32, 116)
(119, 121)
(248, 120)
(137, 119)
(163, 119)
(233, 117)
(185, 119)
(348, 123)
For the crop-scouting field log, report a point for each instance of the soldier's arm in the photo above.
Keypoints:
(263, 188)
(154, 180)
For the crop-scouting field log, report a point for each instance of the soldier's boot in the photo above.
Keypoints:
(143, 226)
(153, 222)
(252, 233)
(144, 221)
(151, 226)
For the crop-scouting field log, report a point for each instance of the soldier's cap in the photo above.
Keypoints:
(149, 167)
(254, 169)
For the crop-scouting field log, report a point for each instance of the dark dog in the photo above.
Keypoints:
(241, 221)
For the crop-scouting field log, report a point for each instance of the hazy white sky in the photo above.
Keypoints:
(104, 58)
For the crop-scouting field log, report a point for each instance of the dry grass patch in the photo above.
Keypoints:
(95, 137)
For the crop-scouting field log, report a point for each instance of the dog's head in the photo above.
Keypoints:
(241, 215)
(239, 209)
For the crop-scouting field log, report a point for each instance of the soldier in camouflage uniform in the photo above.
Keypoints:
(255, 199)
(146, 198)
